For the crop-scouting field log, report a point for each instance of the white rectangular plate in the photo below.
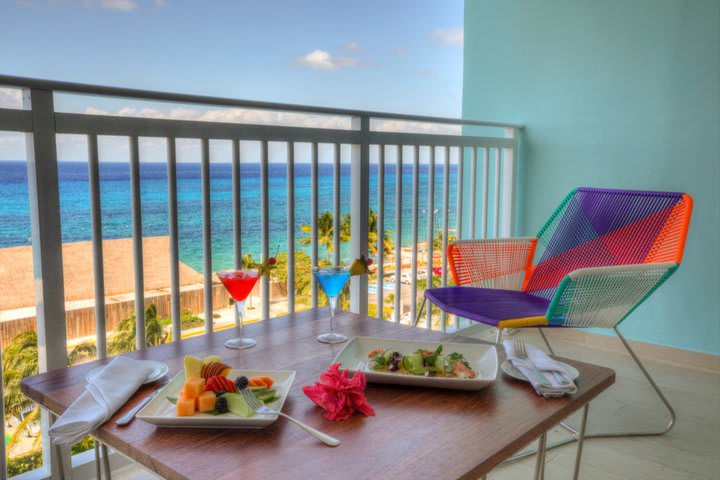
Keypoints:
(161, 412)
(481, 357)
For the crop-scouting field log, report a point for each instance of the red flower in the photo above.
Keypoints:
(339, 395)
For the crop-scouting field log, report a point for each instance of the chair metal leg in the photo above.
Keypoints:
(420, 310)
(542, 334)
(577, 434)
(498, 336)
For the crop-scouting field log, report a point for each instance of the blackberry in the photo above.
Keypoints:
(221, 405)
(220, 393)
(241, 382)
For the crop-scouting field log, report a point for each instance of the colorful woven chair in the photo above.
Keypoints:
(603, 253)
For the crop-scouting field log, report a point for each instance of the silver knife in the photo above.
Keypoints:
(129, 416)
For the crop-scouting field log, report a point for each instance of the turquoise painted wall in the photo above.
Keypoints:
(617, 94)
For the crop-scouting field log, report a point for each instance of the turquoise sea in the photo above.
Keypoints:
(117, 221)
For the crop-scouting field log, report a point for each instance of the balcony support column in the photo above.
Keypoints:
(44, 194)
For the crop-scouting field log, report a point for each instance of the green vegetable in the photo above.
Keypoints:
(430, 359)
(441, 364)
(414, 363)
(458, 357)
(380, 361)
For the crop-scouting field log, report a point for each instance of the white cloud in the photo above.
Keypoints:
(322, 60)
(10, 98)
(449, 36)
(352, 47)
(121, 5)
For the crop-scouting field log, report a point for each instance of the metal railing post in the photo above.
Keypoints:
(44, 194)
(359, 210)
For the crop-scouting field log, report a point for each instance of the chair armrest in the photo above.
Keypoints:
(491, 263)
(602, 297)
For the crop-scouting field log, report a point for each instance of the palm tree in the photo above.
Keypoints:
(123, 340)
(247, 261)
(325, 232)
(437, 242)
(388, 243)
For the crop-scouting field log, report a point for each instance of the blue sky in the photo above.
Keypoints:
(399, 56)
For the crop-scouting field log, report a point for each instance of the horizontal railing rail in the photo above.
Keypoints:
(483, 204)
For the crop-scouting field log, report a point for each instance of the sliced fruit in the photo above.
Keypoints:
(268, 381)
(185, 407)
(220, 382)
(212, 358)
(237, 405)
(193, 387)
(259, 389)
(214, 369)
(193, 365)
(266, 396)
(260, 381)
(206, 402)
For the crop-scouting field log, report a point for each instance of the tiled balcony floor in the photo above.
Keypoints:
(690, 451)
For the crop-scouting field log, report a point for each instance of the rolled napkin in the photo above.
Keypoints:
(103, 396)
(546, 365)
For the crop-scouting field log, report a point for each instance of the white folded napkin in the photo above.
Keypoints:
(103, 396)
(547, 366)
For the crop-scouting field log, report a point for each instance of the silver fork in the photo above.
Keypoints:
(521, 353)
(254, 403)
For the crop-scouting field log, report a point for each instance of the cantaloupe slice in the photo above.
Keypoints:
(269, 382)
(206, 402)
(193, 387)
(185, 407)
(256, 382)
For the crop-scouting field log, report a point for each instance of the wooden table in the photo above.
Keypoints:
(416, 433)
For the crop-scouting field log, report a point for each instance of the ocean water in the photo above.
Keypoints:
(116, 212)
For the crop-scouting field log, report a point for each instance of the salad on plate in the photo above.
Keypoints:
(421, 362)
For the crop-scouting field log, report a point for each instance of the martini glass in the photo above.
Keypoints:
(239, 284)
(332, 280)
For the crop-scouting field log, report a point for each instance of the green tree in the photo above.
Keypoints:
(247, 261)
(123, 340)
(437, 242)
(388, 242)
(325, 232)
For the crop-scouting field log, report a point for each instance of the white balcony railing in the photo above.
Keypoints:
(486, 154)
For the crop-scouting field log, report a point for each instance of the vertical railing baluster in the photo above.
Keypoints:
(459, 212)
(206, 232)
(97, 246)
(485, 193)
(46, 237)
(430, 231)
(381, 233)
(136, 204)
(359, 210)
(264, 227)
(496, 206)
(290, 176)
(236, 214)
(3, 452)
(175, 311)
(314, 218)
(473, 190)
(336, 204)
(414, 253)
(398, 232)
(445, 232)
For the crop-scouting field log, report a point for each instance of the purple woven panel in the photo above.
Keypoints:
(486, 305)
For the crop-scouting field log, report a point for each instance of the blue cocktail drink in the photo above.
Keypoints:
(332, 280)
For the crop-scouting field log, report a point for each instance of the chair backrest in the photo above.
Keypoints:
(599, 227)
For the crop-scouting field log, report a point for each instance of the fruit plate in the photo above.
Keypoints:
(482, 358)
(161, 412)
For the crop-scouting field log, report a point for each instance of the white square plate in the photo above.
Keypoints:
(161, 412)
(481, 357)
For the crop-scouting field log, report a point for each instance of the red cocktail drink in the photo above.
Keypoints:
(239, 284)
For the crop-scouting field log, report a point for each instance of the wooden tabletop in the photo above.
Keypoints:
(416, 433)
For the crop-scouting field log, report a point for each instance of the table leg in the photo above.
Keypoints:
(540, 459)
(106, 461)
(61, 466)
(581, 439)
(98, 474)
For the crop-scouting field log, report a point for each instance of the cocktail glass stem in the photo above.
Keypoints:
(240, 316)
(332, 302)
